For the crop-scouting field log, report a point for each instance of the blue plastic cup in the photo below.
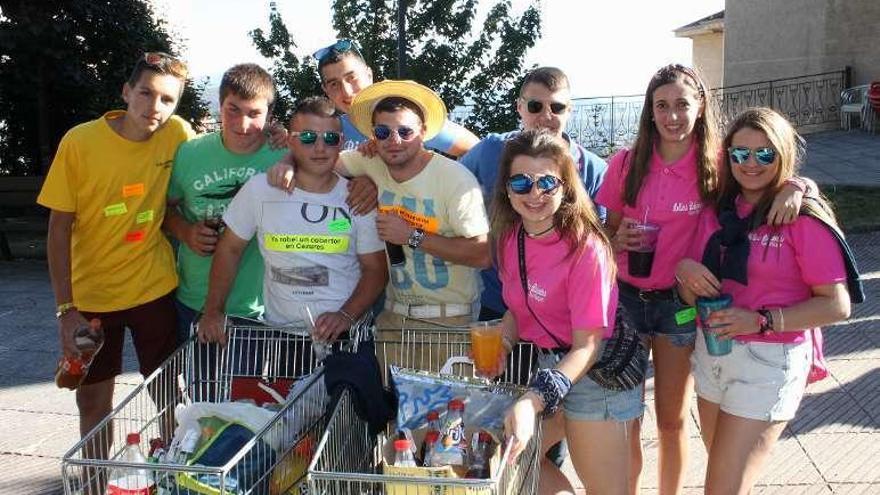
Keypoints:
(705, 307)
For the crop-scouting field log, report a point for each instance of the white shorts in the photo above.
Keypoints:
(756, 380)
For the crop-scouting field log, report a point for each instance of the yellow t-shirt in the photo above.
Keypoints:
(117, 188)
(443, 199)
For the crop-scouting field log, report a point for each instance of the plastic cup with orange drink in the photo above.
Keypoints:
(486, 347)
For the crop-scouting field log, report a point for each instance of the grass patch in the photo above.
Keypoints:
(857, 207)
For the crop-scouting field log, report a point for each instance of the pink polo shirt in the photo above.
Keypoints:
(566, 292)
(671, 197)
(784, 263)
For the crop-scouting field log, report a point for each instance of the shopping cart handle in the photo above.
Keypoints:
(448, 368)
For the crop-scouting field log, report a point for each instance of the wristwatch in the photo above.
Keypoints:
(416, 238)
(765, 321)
(63, 309)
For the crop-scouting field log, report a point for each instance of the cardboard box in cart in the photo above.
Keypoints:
(447, 472)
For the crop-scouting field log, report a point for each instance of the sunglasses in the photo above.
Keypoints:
(383, 132)
(331, 138)
(535, 106)
(340, 46)
(522, 183)
(763, 156)
(166, 63)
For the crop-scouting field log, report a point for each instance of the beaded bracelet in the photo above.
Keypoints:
(552, 386)
(345, 314)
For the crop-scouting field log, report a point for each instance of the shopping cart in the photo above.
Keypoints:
(348, 460)
(256, 360)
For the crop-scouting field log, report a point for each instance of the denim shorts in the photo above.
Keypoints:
(657, 317)
(757, 380)
(587, 401)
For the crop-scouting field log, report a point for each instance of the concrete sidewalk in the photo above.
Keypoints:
(833, 445)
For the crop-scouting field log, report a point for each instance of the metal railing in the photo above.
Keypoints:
(604, 124)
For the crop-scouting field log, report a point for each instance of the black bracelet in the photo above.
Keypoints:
(552, 386)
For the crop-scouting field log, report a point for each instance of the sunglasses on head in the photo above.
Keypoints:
(331, 138)
(341, 46)
(383, 132)
(523, 183)
(166, 62)
(740, 154)
(535, 106)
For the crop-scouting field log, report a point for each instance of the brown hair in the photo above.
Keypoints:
(320, 106)
(549, 77)
(576, 219)
(394, 104)
(789, 146)
(706, 129)
(159, 63)
(248, 81)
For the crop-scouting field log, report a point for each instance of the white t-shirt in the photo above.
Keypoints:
(310, 245)
(443, 199)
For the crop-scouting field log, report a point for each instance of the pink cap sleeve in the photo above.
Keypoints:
(817, 252)
(610, 193)
(590, 289)
(707, 226)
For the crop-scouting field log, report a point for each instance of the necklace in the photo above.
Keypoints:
(539, 234)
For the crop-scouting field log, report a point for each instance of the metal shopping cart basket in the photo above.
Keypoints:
(257, 359)
(348, 459)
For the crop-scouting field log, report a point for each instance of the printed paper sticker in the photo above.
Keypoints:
(686, 315)
(115, 210)
(145, 216)
(136, 236)
(290, 243)
(130, 190)
(417, 220)
(340, 225)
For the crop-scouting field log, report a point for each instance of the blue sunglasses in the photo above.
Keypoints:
(341, 46)
(740, 154)
(523, 184)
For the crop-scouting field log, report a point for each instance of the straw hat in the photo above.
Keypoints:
(433, 108)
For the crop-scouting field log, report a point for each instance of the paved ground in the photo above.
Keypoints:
(833, 446)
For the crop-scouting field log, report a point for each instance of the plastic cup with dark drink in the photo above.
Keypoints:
(641, 256)
(395, 254)
(215, 222)
(705, 307)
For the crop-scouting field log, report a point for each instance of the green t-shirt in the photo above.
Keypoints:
(205, 178)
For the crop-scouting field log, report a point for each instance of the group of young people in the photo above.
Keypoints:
(526, 226)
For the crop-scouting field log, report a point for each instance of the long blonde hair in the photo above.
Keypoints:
(789, 146)
(576, 219)
(705, 131)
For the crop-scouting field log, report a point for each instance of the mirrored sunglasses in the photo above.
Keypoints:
(740, 154)
(535, 106)
(523, 183)
(383, 132)
(331, 138)
(341, 46)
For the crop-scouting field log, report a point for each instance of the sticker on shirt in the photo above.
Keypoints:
(136, 236)
(417, 220)
(130, 190)
(306, 243)
(339, 226)
(115, 210)
(144, 216)
(302, 276)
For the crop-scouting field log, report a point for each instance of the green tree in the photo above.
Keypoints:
(63, 62)
(480, 71)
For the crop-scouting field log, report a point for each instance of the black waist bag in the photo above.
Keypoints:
(624, 359)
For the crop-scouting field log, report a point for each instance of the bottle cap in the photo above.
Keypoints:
(401, 445)
(485, 437)
(456, 405)
(433, 415)
(133, 439)
(432, 436)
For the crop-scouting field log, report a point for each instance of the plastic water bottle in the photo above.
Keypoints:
(479, 465)
(451, 449)
(131, 481)
(403, 456)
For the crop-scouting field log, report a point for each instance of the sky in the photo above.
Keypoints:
(605, 47)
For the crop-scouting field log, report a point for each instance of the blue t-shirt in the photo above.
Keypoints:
(443, 141)
(483, 160)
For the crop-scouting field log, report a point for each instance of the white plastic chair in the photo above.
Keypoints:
(855, 101)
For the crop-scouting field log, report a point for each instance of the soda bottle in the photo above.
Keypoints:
(403, 454)
(479, 465)
(428, 446)
(72, 371)
(433, 418)
(451, 448)
(131, 481)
